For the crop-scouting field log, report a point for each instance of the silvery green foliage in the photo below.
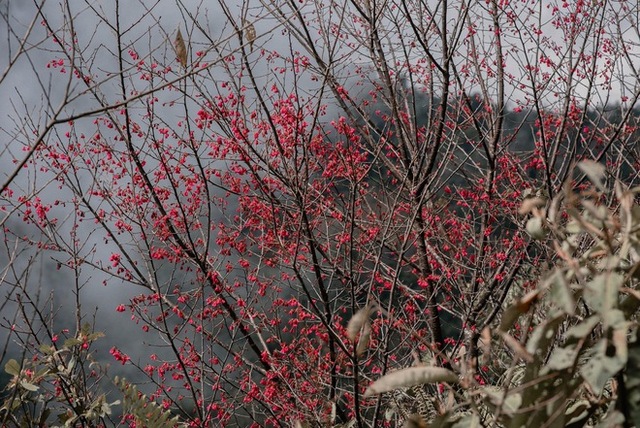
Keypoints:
(55, 388)
(569, 347)
(146, 413)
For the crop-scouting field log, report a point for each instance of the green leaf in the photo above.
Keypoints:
(468, 421)
(12, 367)
(583, 329)
(562, 358)
(71, 342)
(64, 417)
(529, 204)
(614, 319)
(96, 335)
(519, 351)
(608, 359)
(560, 292)
(44, 416)
(29, 386)
(147, 413)
(47, 350)
(601, 293)
(86, 329)
(594, 171)
(42, 372)
(535, 228)
(542, 337)
(496, 397)
(596, 212)
(513, 312)
(573, 227)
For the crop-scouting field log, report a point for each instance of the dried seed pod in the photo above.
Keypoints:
(411, 376)
(357, 322)
(181, 49)
(365, 338)
(249, 32)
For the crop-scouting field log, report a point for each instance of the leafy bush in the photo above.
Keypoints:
(61, 380)
(64, 382)
(572, 348)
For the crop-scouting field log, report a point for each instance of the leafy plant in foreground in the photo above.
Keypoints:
(572, 341)
(61, 380)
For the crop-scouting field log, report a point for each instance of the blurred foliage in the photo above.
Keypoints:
(61, 386)
(145, 413)
(568, 351)
(61, 381)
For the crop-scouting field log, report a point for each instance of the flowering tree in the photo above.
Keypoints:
(261, 183)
